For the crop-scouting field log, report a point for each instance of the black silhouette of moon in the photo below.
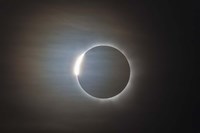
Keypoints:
(104, 73)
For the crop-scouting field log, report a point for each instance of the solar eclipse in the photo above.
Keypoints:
(102, 71)
(98, 66)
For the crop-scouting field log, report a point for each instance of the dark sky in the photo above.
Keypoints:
(40, 41)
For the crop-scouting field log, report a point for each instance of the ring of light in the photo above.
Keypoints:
(77, 71)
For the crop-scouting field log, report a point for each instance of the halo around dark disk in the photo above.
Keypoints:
(105, 72)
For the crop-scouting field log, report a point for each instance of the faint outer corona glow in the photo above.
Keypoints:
(77, 71)
(77, 66)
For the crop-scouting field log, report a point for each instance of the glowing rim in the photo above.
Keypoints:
(77, 66)
(79, 61)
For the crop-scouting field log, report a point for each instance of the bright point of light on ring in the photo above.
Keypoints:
(77, 66)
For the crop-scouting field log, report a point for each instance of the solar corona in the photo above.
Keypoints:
(99, 72)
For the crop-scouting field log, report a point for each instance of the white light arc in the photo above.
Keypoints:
(77, 67)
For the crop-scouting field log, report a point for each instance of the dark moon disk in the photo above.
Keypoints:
(105, 72)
